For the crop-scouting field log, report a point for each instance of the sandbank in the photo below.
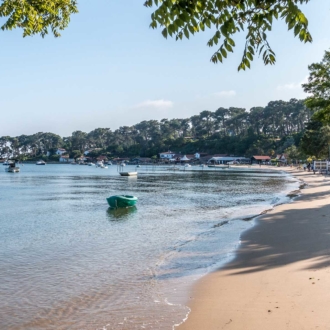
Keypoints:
(280, 277)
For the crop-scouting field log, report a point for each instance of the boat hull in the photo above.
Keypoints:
(128, 173)
(12, 169)
(121, 201)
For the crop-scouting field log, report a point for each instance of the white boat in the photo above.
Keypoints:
(91, 164)
(7, 162)
(109, 163)
(40, 162)
(12, 168)
(122, 164)
(187, 165)
(99, 164)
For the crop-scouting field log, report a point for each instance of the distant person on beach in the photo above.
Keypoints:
(304, 167)
(309, 167)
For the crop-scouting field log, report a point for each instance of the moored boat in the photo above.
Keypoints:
(121, 201)
(128, 173)
(40, 162)
(12, 168)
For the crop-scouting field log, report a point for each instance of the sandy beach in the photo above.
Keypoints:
(280, 277)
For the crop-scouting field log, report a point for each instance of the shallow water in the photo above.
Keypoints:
(68, 262)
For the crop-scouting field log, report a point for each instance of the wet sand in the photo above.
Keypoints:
(280, 278)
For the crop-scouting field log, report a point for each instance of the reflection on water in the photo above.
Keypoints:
(121, 213)
(67, 262)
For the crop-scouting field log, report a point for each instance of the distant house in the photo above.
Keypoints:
(167, 155)
(225, 160)
(60, 151)
(120, 160)
(102, 159)
(81, 159)
(260, 159)
(66, 159)
(283, 158)
(86, 152)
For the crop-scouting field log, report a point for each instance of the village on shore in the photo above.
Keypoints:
(167, 157)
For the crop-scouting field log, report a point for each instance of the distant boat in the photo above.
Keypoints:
(91, 164)
(99, 164)
(187, 165)
(12, 168)
(128, 173)
(40, 162)
(7, 162)
(109, 163)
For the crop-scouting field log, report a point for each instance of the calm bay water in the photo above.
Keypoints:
(68, 262)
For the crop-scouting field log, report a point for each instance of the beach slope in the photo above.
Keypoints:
(280, 278)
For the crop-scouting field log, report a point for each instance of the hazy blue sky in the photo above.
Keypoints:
(109, 69)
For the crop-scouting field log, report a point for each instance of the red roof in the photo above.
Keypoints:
(261, 157)
(101, 157)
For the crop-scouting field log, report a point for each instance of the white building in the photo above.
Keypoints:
(225, 160)
(60, 151)
(66, 159)
(167, 155)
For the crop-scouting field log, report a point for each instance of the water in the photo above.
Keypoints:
(67, 262)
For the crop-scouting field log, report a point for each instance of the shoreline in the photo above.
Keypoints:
(271, 281)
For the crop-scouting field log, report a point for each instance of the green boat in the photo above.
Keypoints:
(121, 201)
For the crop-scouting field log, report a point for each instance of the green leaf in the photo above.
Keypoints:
(164, 33)
(223, 52)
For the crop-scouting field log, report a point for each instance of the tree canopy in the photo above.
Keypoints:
(318, 87)
(179, 19)
(37, 16)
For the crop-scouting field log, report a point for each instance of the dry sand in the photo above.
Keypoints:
(280, 278)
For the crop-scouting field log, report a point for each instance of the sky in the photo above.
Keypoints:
(109, 69)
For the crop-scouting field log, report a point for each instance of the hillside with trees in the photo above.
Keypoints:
(269, 130)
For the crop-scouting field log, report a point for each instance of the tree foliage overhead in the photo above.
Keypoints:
(37, 16)
(179, 18)
(319, 87)
(183, 18)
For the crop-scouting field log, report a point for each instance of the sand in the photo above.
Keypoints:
(280, 278)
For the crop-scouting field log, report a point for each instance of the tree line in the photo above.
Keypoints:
(261, 130)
